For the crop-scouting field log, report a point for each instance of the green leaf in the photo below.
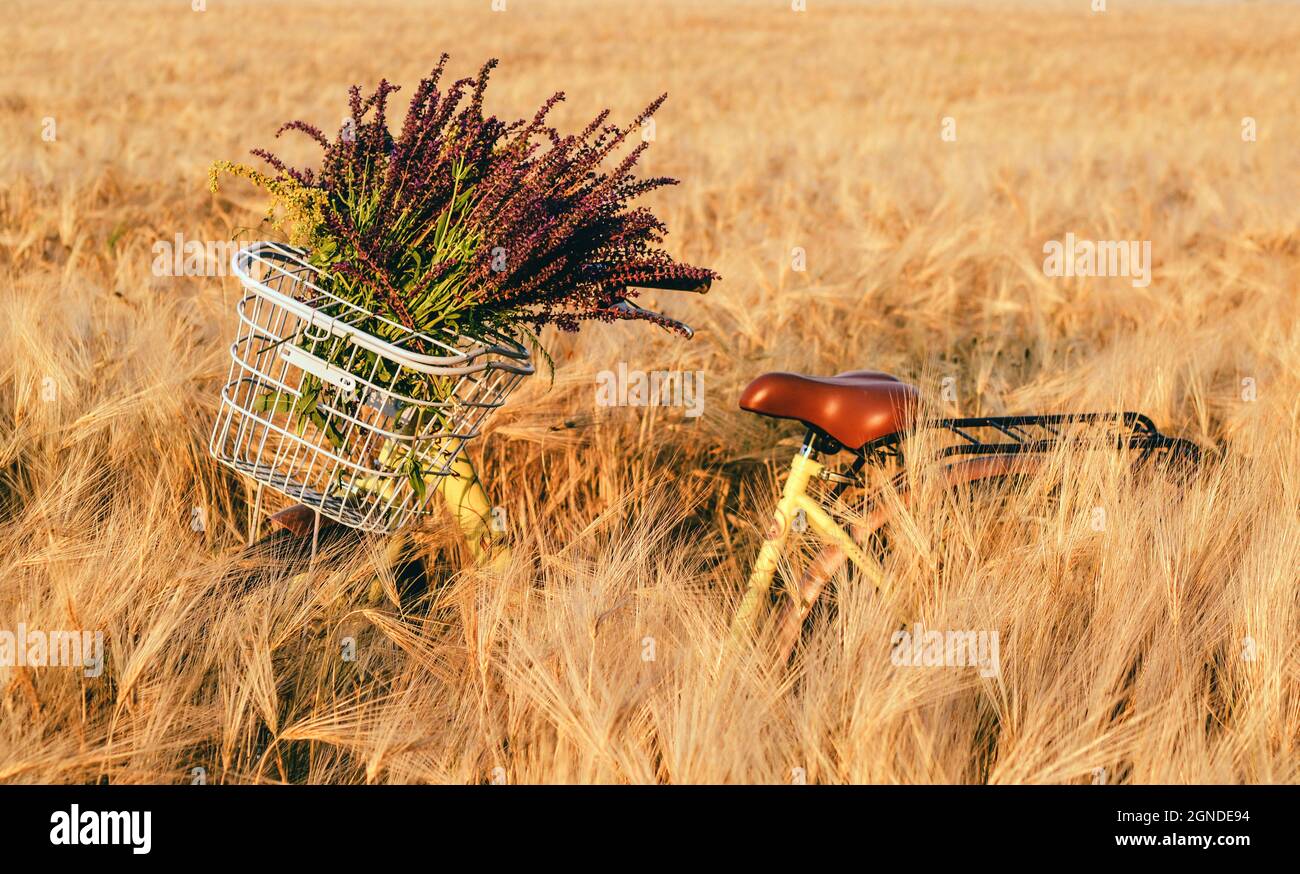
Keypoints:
(416, 477)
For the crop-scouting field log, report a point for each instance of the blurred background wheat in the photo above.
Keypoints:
(1161, 648)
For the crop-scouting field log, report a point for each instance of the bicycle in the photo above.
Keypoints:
(360, 463)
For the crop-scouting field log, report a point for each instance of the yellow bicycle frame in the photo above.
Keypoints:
(468, 503)
(795, 499)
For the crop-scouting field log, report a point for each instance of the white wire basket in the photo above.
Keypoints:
(328, 404)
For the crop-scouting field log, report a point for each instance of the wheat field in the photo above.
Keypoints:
(875, 184)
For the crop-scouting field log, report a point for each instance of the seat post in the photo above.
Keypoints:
(809, 449)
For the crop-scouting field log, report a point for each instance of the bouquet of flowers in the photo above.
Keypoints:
(468, 222)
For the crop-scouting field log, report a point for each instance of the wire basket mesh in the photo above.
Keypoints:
(329, 404)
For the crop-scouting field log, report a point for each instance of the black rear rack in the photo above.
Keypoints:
(1011, 435)
(992, 436)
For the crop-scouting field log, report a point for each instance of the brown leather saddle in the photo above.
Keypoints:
(853, 408)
